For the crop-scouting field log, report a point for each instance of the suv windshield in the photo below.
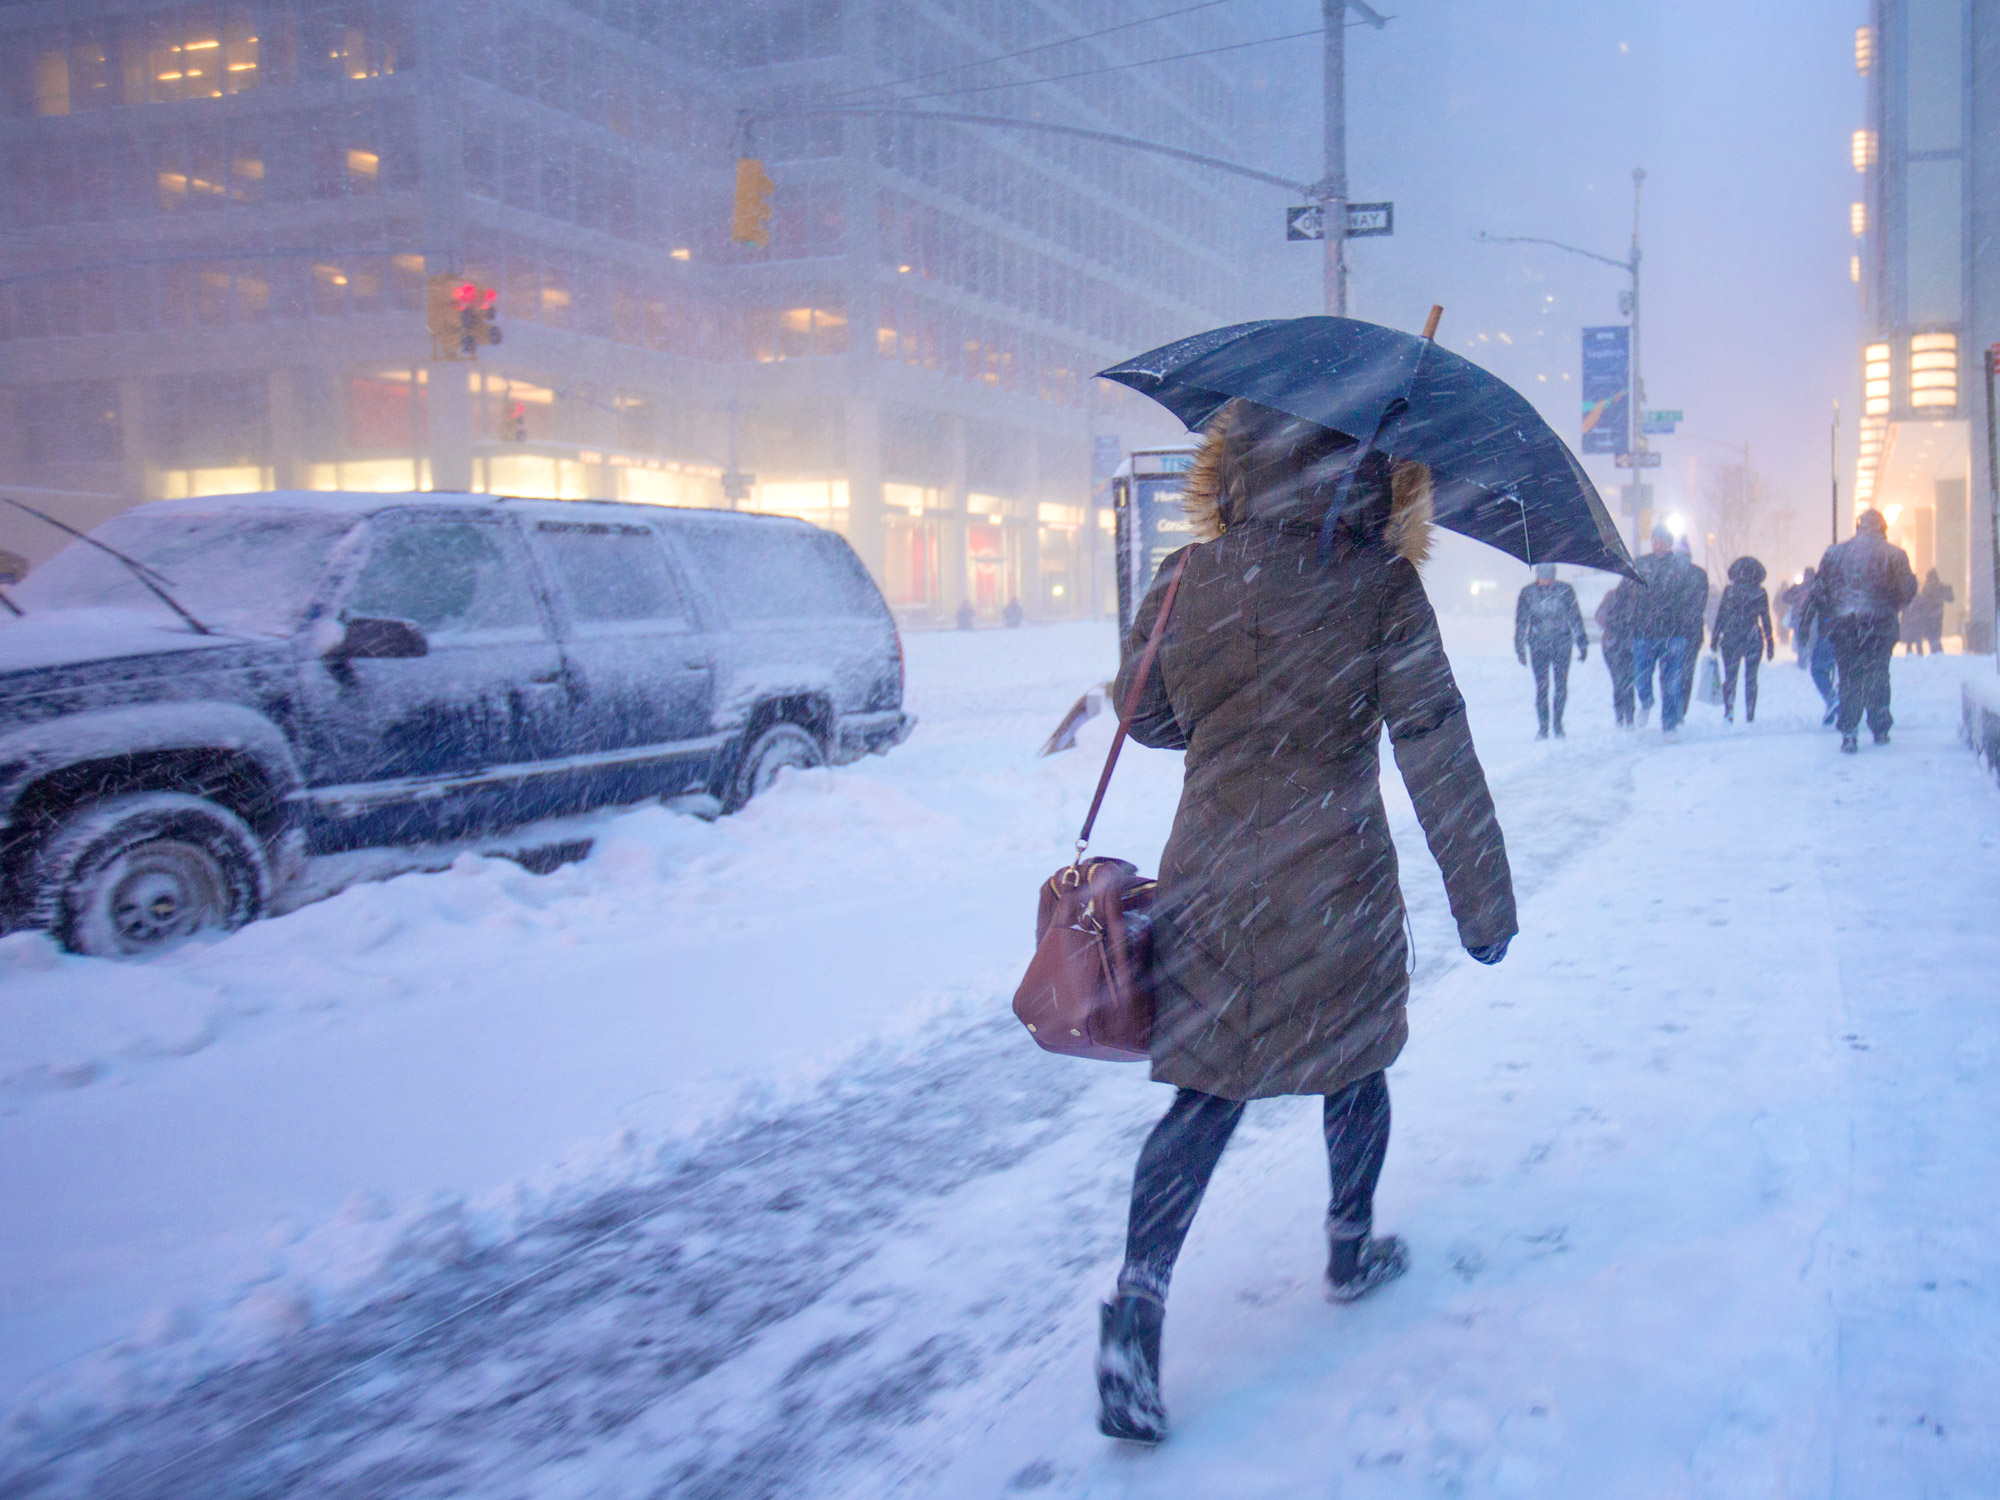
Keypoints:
(237, 570)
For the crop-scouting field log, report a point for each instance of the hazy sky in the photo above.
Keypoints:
(1522, 117)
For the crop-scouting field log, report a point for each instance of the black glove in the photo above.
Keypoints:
(1521, 657)
(1490, 953)
(1583, 652)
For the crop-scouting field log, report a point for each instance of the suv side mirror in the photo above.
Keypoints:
(379, 639)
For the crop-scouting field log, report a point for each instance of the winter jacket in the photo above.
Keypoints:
(1614, 616)
(1863, 575)
(1927, 613)
(1674, 590)
(1280, 964)
(1743, 618)
(1546, 616)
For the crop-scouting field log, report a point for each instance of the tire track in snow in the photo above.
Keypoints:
(777, 1320)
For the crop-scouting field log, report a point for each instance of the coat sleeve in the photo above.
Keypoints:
(1903, 576)
(1576, 631)
(1764, 623)
(1433, 746)
(1521, 621)
(1153, 722)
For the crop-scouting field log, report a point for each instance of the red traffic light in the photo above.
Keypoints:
(468, 297)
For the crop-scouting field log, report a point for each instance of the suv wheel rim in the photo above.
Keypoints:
(787, 752)
(164, 891)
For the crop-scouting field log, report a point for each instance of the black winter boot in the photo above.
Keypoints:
(1354, 1268)
(1128, 1369)
(1849, 745)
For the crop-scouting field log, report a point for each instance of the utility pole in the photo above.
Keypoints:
(1639, 443)
(1332, 188)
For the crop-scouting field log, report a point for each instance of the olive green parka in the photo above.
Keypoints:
(1280, 960)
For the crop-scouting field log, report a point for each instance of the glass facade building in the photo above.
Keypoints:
(1928, 263)
(220, 219)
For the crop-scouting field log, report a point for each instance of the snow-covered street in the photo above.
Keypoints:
(715, 1165)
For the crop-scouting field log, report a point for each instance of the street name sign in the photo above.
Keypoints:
(1639, 460)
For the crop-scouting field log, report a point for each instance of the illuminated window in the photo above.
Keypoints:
(1853, 268)
(52, 83)
(1875, 380)
(1864, 50)
(1857, 217)
(1864, 150)
(1934, 369)
(203, 61)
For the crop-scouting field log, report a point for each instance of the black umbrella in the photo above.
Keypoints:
(1499, 473)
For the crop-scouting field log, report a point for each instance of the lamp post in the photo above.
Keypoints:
(1630, 266)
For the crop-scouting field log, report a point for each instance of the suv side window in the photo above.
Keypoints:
(612, 574)
(446, 576)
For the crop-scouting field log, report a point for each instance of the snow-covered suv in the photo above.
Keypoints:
(204, 691)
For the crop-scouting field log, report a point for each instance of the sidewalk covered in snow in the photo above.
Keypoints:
(715, 1166)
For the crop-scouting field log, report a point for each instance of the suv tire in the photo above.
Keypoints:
(778, 747)
(132, 875)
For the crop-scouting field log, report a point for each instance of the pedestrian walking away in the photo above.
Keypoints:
(1547, 627)
(1926, 613)
(1614, 641)
(1279, 959)
(1743, 635)
(1859, 594)
(1694, 617)
(1660, 628)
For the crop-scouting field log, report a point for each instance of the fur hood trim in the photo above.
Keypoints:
(1410, 521)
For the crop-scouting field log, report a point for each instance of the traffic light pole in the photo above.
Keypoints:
(748, 119)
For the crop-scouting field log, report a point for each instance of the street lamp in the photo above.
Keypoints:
(1630, 266)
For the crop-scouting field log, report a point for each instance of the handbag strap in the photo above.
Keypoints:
(1131, 703)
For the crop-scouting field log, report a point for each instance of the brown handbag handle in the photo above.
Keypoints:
(1131, 703)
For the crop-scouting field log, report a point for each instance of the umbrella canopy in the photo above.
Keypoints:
(1499, 473)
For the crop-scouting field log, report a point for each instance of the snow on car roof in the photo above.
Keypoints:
(369, 502)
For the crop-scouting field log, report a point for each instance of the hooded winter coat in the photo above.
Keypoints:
(1743, 618)
(1279, 954)
(1671, 600)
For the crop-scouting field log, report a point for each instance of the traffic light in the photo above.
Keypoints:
(441, 314)
(751, 224)
(514, 423)
(461, 315)
(478, 318)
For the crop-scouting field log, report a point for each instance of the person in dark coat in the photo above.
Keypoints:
(1614, 640)
(1660, 627)
(1862, 586)
(1926, 612)
(1743, 635)
(1815, 645)
(1694, 603)
(1548, 626)
(1279, 959)
(1012, 615)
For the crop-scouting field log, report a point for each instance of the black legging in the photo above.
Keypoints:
(1551, 664)
(1749, 663)
(1180, 1156)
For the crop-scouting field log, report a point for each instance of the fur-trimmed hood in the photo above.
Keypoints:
(1256, 464)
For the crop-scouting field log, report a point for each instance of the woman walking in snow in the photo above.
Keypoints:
(1743, 635)
(1280, 965)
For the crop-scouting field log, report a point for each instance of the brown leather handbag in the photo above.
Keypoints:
(1088, 991)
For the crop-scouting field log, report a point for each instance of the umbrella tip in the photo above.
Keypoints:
(1431, 323)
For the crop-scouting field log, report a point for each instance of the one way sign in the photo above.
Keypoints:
(1364, 221)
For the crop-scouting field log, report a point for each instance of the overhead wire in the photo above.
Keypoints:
(1114, 67)
(1086, 36)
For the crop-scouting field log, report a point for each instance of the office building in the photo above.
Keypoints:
(221, 219)
(1927, 227)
